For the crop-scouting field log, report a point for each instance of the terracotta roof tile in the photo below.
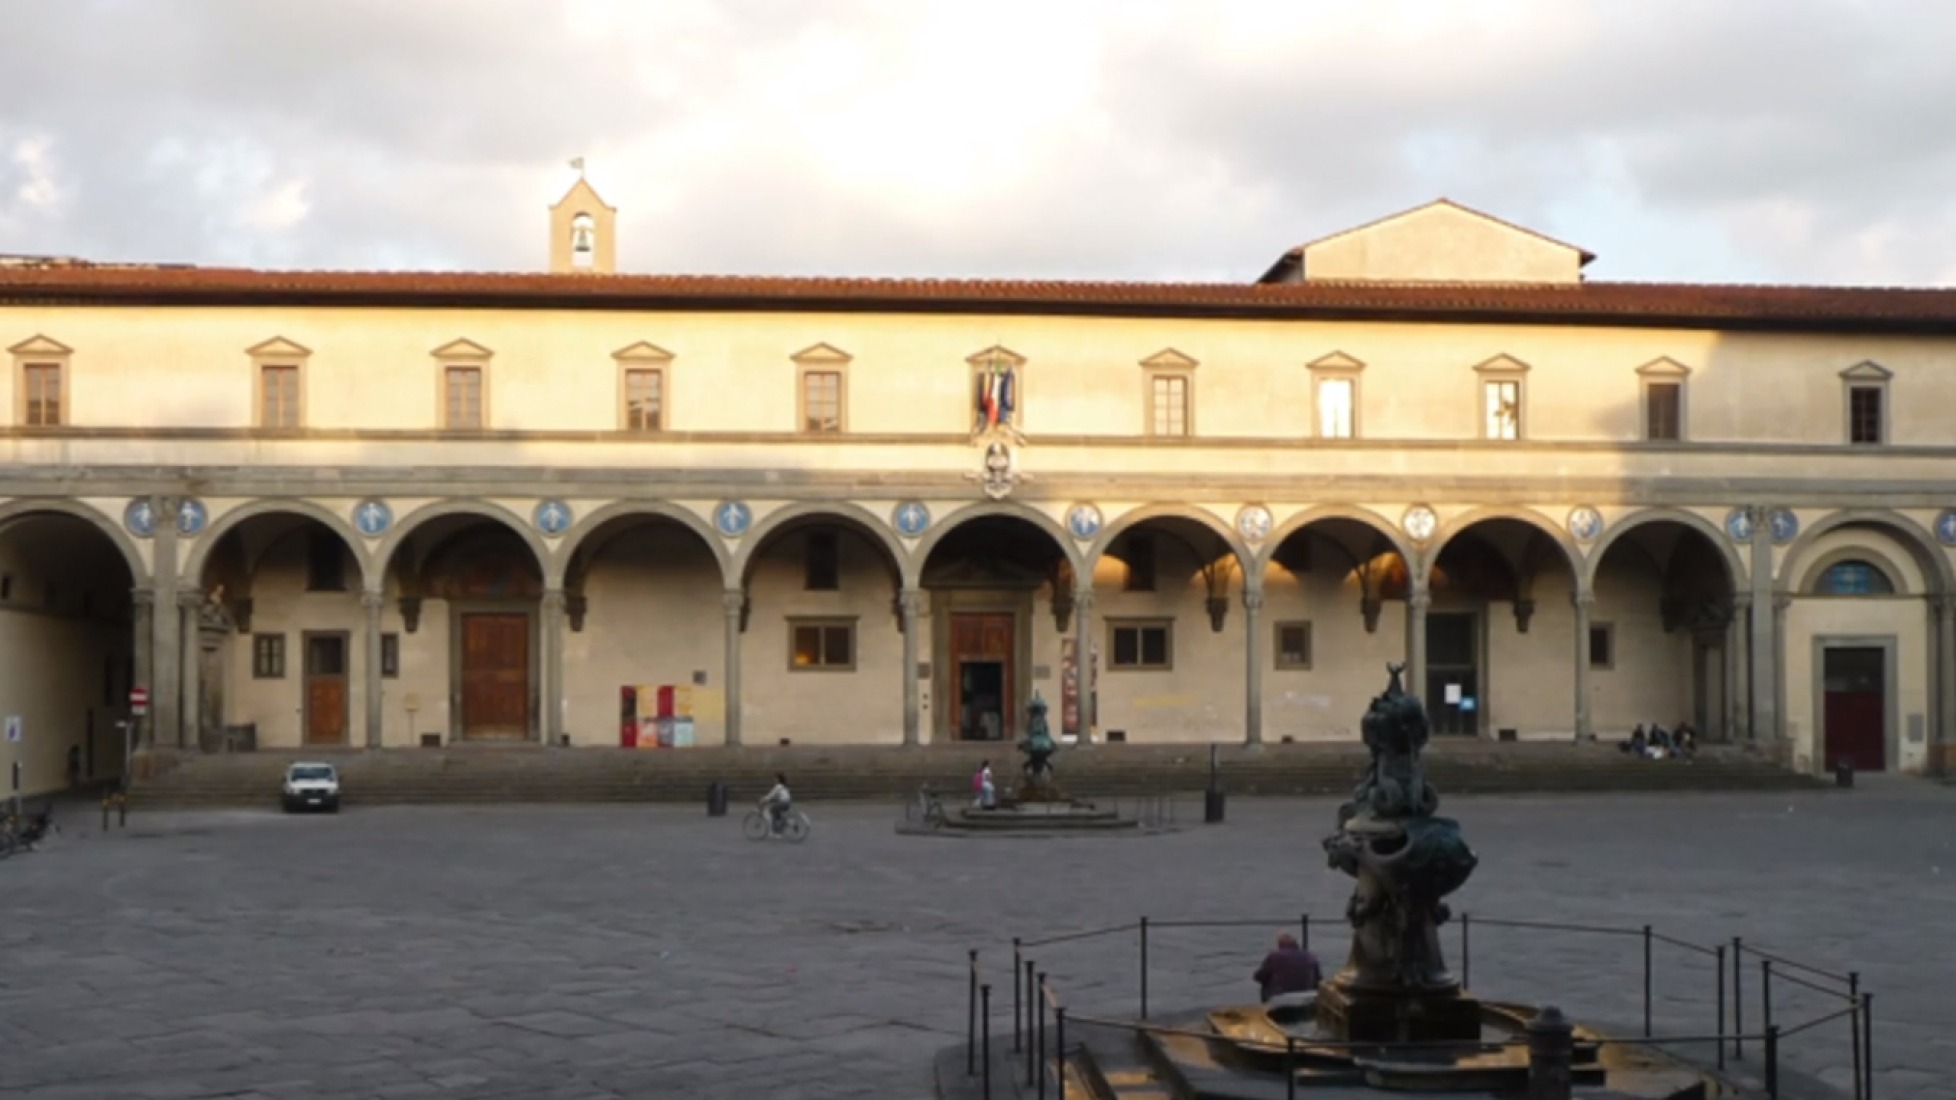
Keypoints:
(1595, 303)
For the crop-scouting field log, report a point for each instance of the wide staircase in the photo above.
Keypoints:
(529, 773)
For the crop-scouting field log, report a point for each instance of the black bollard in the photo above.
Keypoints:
(1551, 1052)
(1212, 799)
(716, 799)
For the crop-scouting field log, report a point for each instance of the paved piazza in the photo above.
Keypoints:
(591, 952)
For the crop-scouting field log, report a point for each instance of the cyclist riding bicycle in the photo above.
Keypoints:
(777, 801)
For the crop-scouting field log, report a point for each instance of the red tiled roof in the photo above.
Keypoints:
(1596, 303)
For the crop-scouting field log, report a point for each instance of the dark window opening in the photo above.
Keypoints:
(325, 563)
(1864, 414)
(1139, 554)
(822, 565)
(1664, 411)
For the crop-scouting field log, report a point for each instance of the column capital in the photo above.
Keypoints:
(373, 601)
(1252, 599)
(190, 599)
(552, 599)
(1943, 602)
(910, 601)
(1082, 598)
(1782, 601)
(733, 600)
(1419, 601)
(144, 597)
(1582, 601)
(1741, 601)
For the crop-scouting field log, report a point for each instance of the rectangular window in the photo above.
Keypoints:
(821, 646)
(325, 563)
(1602, 645)
(645, 400)
(1138, 551)
(1664, 411)
(1502, 401)
(278, 396)
(1171, 404)
(821, 401)
(268, 656)
(462, 393)
(41, 384)
(1864, 414)
(1335, 401)
(821, 565)
(390, 656)
(1140, 645)
(1294, 645)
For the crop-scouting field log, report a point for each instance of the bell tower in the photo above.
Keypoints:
(583, 230)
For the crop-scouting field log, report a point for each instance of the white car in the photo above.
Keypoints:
(312, 785)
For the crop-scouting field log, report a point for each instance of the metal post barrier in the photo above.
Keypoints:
(1304, 931)
(1646, 981)
(1772, 1062)
(1854, 1029)
(1144, 968)
(985, 1009)
(1032, 995)
(1290, 1067)
(1466, 957)
(1017, 1012)
(1766, 993)
(1867, 1041)
(1719, 967)
(1059, 1051)
(1039, 998)
(971, 1021)
(1738, 1000)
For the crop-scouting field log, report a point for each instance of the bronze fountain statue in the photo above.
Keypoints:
(1039, 749)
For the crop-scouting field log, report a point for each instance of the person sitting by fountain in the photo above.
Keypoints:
(981, 783)
(1288, 969)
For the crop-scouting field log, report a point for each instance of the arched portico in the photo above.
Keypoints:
(195, 560)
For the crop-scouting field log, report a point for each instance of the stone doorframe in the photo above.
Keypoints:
(1890, 647)
(533, 658)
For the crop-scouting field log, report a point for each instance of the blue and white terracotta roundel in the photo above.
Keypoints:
(1083, 520)
(1253, 523)
(911, 518)
(373, 517)
(553, 517)
(1783, 525)
(1585, 523)
(192, 517)
(732, 518)
(140, 518)
(1946, 527)
(1738, 524)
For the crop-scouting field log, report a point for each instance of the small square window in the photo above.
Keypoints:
(1664, 411)
(390, 656)
(822, 565)
(1140, 645)
(1138, 551)
(268, 656)
(821, 646)
(1294, 645)
(1602, 645)
(645, 400)
(1864, 420)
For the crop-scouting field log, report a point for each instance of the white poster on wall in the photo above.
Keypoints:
(1453, 695)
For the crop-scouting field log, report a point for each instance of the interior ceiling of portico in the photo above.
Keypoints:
(1011, 551)
(467, 557)
(848, 532)
(67, 553)
(1350, 545)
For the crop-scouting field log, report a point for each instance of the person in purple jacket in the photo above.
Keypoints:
(1288, 969)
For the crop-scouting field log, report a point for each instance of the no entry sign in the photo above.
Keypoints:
(139, 700)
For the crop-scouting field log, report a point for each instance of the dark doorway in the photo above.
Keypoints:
(1453, 673)
(981, 700)
(981, 663)
(1856, 710)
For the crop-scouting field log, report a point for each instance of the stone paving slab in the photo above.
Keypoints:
(619, 951)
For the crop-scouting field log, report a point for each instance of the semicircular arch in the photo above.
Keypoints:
(992, 508)
(383, 556)
(1572, 554)
(1133, 518)
(1363, 516)
(579, 534)
(854, 516)
(126, 546)
(1735, 573)
(193, 563)
(1910, 535)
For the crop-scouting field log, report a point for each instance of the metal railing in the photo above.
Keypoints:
(1034, 1000)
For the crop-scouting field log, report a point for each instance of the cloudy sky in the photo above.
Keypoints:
(1698, 140)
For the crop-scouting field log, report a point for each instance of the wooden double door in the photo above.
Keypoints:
(493, 674)
(984, 683)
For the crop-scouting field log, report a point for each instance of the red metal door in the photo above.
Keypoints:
(1856, 730)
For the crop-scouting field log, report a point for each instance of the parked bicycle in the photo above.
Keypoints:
(792, 826)
(924, 808)
(22, 834)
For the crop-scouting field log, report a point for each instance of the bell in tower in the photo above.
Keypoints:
(583, 230)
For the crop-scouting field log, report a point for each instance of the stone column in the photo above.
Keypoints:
(1582, 601)
(1253, 666)
(1417, 601)
(909, 602)
(733, 600)
(142, 602)
(1944, 745)
(1083, 662)
(1762, 682)
(551, 728)
(372, 603)
(1738, 713)
(1781, 735)
(190, 603)
(165, 637)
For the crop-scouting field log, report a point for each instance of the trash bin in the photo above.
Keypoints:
(716, 799)
(1212, 806)
(1843, 772)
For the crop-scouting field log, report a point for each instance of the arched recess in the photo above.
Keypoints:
(74, 638)
(1893, 580)
(1911, 536)
(131, 557)
(1190, 517)
(1217, 556)
(205, 544)
(1363, 517)
(383, 559)
(1000, 588)
(1006, 508)
(1665, 642)
(591, 529)
(1572, 555)
(852, 516)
